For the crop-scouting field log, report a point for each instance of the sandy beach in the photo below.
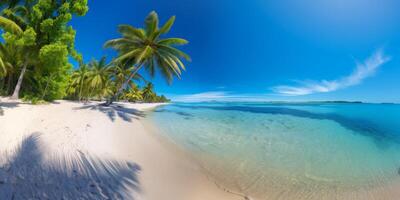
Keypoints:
(77, 150)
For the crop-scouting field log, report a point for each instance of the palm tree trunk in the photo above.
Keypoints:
(10, 80)
(121, 89)
(3, 84)
(19, 83)
(80, 91)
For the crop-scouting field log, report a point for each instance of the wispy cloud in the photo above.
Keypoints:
(217, 96)
(203, 96)
(363, 70)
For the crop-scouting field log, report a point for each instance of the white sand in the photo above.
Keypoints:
(84, 151)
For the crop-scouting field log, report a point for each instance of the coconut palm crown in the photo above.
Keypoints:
(146, 48)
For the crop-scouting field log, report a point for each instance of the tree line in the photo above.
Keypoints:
(37, 42)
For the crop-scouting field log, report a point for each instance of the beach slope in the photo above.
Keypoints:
(85, 151)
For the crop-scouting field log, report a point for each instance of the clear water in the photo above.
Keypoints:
(291, 151)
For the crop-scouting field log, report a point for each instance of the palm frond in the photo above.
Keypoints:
(151, 23)
(165, 72)
(175, 51)
(170, 62)
(128, 55)
(128, 30)
(3, 69)
(121, 43)
(150, 67)
(145, 52)
(172, 41)
(15, 15)
(10, 26)
(167, 26)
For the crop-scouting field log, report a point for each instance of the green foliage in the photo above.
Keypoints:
(38, 40)
(134, 94)
(10, 26)
(98, 75)
(8, 59)
(98, 80)
(33, 100)
(39, 32)
(93, 80)
(144, 47)
(78, 83)
(146, 94)
(53, 56)
(26, 39)
(80, 7)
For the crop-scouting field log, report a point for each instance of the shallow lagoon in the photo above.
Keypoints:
(281, 151)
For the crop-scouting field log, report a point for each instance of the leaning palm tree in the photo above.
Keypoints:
(145, 48)
(120, 74)
(10, 59)
(13, 20)
(9, 25)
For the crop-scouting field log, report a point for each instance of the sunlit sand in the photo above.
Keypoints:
(85, 151)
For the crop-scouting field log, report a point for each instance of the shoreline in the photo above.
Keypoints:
(381, 189)
(95, 151)
(183, 154)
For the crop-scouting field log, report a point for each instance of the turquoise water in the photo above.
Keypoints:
(297, 151)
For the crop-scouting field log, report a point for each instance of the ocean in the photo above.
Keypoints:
(291, 150)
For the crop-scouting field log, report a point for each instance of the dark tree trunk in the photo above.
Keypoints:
(9, 82)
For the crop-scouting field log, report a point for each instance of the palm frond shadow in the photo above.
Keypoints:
(7, 105)
(32, 174)
(114, 111)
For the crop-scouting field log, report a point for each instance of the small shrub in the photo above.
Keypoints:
(33, 100)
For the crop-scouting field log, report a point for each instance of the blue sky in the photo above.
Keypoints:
(266, 49)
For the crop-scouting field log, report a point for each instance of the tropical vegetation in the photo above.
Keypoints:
(37, 43)
(145, 48)
(38, 46)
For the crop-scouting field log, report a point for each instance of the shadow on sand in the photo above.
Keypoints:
(113, 111)
(31, 174)
(7, 105)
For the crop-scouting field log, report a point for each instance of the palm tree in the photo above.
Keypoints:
(99, 74)
(148, 92)
(10, 25)
(107, 90)
(145, 48)
(134, 94)
(79, 79)
(6, 59)
(9, 59)
(121, 73)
